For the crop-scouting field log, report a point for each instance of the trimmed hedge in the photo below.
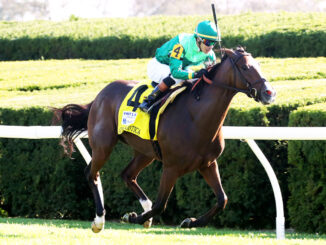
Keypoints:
(275, 34)
(54, 186)
(65, 47)
(36, 180)
(307, 173)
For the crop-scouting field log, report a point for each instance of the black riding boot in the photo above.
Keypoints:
(150, 100)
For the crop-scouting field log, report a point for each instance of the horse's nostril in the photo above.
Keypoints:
(268, 92)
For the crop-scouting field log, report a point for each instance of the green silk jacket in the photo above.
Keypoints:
(181, 53)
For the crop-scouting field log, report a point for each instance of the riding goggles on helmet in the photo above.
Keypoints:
(208, 42)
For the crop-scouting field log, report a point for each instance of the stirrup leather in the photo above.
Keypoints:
(148, 103)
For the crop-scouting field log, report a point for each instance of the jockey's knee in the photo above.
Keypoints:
(168, 81)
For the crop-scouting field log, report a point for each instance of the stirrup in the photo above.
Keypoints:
(149, 109)
(144, 108)
(151, 100)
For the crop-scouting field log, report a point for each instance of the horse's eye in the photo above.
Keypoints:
(245, 67)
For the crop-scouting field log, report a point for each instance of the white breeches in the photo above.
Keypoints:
(157, 71)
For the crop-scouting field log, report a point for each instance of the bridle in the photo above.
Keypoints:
(250, 91)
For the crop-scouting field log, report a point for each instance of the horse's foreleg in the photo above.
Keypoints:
(212, 177)
(99, 157)
(168, 179)
(129, 175)
(99, 220)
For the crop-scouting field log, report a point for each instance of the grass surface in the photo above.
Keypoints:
(59, 82)
(38, 231)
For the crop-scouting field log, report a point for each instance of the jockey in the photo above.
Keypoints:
(184, 57)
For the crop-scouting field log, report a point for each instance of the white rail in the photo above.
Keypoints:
(230, 132)
(249, 134)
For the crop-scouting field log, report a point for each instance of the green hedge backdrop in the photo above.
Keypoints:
(270, 35)
(36, 180)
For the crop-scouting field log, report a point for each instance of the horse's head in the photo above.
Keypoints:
(248, 77)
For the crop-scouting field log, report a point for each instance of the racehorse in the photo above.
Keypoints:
(190, 134)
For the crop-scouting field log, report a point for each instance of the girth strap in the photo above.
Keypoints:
(156, 146)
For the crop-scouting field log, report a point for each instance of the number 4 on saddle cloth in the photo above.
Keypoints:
(133, 120)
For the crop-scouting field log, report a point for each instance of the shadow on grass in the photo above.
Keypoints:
(162, 230)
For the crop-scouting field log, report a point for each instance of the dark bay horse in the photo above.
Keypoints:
(189, 134)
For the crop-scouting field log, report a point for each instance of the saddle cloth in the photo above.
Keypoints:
(133, 120)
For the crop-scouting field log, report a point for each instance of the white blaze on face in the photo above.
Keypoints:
(254, 63)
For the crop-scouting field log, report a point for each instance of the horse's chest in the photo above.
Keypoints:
(212, 151)
(191, 158)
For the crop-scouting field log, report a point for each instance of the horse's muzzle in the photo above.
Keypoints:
(267, 94)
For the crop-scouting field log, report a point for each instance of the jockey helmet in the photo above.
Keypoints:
(207, 30)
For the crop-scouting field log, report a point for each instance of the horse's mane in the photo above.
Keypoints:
(214, 69)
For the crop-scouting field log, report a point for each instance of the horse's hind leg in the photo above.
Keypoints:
(212, 177)
(168, 179)
(129, 175)
(100, 154)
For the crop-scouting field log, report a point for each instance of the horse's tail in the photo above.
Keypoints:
(73, 122)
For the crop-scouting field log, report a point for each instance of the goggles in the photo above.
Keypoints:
(208, 42)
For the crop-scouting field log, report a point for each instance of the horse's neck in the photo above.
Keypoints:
(215, 103)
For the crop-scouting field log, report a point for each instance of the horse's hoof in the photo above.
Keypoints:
(187, 222)
(96, 229)
(98, 223)
(148, 223)
(125, 218)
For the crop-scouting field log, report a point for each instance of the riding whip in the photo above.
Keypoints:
(217, 29)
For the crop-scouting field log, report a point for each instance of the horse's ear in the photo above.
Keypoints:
(241, 49)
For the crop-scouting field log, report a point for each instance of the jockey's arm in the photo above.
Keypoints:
(177, 71)
(175, 63)
(176, 66)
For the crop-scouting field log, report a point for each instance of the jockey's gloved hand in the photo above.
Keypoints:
(200, 73)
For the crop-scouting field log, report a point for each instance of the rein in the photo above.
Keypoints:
(250, 91)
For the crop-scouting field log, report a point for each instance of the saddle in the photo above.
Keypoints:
(133, 120)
